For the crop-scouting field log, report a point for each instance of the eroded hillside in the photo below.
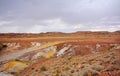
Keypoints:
(50, 54)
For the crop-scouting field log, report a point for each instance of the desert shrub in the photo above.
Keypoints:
(110, 73)
(72, 71)
(97, 67)
(67, 68)
(112, 68)
(43, 68)
(94, 69)
(37, 70)
(56, 72)
(75, 63)
(85, 71)
(70, 57)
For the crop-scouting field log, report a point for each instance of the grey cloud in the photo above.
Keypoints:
(28, 13)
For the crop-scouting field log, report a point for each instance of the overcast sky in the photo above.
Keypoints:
(35, 16)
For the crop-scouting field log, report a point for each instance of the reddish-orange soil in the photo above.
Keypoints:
(76, 50)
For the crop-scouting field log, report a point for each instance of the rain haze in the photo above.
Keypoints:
(36, 16)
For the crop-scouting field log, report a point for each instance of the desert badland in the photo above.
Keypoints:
(60, 54)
